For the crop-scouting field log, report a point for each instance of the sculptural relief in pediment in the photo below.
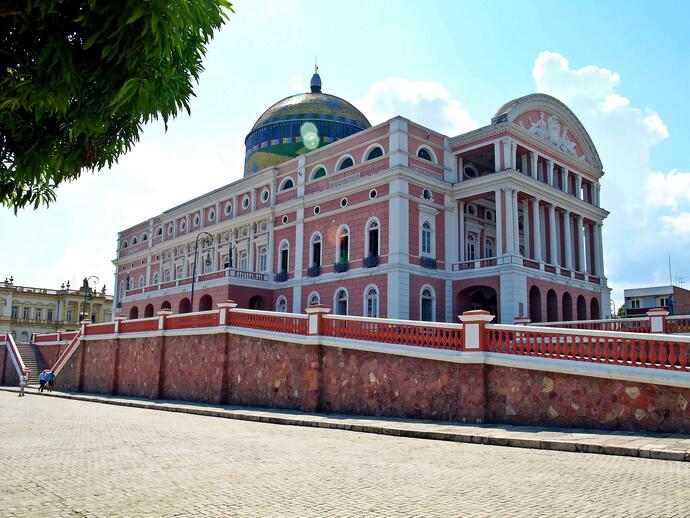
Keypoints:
(551, 129)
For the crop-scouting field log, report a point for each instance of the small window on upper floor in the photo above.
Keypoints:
(159, 232)
(347, 162)
(319, 172)
(424, 154)
(134, 241)
(375, 153)
(124, 244)
(287, 184)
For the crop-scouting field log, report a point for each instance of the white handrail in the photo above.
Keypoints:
(14, 354)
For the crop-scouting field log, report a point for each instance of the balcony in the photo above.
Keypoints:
(281, 276)
(371, 262)
(341, 267)
(428, 262)
(314, 271)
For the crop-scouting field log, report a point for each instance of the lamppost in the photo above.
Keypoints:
(209, 242)
(87, 291)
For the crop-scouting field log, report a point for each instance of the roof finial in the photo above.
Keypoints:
(315, 79)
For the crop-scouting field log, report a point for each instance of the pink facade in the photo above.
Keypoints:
(419, 226)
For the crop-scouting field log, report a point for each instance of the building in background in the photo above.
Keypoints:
(395, 220)
(25, 310)
(674, 299)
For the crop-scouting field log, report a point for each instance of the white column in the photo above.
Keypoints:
(549, 172)
(527, 230)
(553, 250)
(450, 217)
(299, 245)
(537, 229)
(516, 223)
(507, 154)
(269, 251)
(598, 251)
(568, 240)
(596, 190)
(581, 244)
(513, 155)
(461, 229)
(252, 265)
(534, 158)
(461, 168)
(510, 228)
(564, 179)
(578, 187)
(497, 156)
(499, 224)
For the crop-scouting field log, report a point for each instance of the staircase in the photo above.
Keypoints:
(32, 360)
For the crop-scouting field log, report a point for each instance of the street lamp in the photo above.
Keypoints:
(87, 291)
(209, 242)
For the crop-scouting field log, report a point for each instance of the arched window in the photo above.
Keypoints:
(489, 247)
(426, 154)
(205, 303)
(427, 304)
(144, 237)
(244, 261)
(284, 256)
(471, 255)
(313, 299)
(426, 239)
(371, 302)
(122, 291)
(133, 313)
(130, 283)
(134, 240)
(281, 304)
(318, 172)
(159, 232)
(340, 302)
(372, 238)
(141, 281)
(375, 152)
(315, 252)
(286, 184)
(345, 163)
(342, 252)
(124, 244)
(263, 259)
(155, 278)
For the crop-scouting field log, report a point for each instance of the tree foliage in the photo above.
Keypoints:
(79, 78)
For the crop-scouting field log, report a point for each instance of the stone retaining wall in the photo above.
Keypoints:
(240, 370)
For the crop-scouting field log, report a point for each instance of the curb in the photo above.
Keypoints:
(593, 441)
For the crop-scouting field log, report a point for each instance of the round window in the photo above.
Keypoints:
(373, 193)
(228, 208)
(470, 171)
(170, 229)
(264, 195)
(245, 202)
(196, 220)
(159, 232)
(426, 194)
(211, 215)
(183, 225)
(285, 219)
(343, 202)
(317, 209)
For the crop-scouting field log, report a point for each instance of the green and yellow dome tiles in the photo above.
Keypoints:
(298, 124)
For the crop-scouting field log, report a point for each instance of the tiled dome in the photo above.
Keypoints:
(298, 124)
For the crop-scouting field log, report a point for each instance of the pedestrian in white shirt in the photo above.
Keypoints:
(23, 382)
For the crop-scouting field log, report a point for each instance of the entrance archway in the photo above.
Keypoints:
(594, 309)
(205, 303)
(535, 304)
(257, 302)
(166, 305)
(134, 313)
(148, 311)
(551, 306)
(478, 297)
(567, 307)
(581, 308)
(185, 306)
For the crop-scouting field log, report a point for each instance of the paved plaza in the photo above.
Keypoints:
(72, 458)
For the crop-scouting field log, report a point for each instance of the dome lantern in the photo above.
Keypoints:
(315, 83)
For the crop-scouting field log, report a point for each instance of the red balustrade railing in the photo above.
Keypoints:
(202, 319)
(133, 326)
(422, 334)
(100, 329)
(69, 335)
(277, 322)
(679, 324)
(625, 325)
(618, 349)
(49, 337)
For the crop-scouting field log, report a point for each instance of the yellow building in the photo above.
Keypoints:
(25, 310)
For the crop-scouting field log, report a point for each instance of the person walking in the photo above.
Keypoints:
(42, 378)
(51, 380)
(23, 382)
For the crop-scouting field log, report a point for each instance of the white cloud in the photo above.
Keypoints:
(668, 189)
(298, 84)
(678, 224)
(426, 102)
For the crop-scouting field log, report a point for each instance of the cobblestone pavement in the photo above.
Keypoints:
(65, 458)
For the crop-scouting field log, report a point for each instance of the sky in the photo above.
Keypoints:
(622, 67)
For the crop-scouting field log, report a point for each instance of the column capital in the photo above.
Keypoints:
(532, 154)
